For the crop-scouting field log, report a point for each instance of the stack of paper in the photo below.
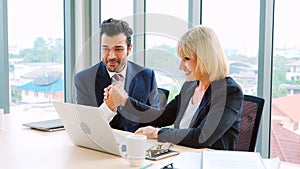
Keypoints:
(188, 160)
(218, 159)
(221, 159)
(272, 163)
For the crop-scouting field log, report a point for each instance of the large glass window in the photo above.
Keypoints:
(285, 128)
(35, 37)
(164, 26)
(237, 25)
(116, 9)
(36, 52)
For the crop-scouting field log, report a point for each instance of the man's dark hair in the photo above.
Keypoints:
(113, 27)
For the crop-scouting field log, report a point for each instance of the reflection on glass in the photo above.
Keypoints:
(36, 50)
(116, 9)
(169, 7)
(164, 26)
(285, 131)
(237, 25)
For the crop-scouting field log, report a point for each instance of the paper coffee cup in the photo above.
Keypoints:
(136, 149)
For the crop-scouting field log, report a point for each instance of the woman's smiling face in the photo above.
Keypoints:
(189, 66)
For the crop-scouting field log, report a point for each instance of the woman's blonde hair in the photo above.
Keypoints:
(202, 43)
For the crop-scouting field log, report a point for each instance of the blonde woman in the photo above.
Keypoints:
(206, 112)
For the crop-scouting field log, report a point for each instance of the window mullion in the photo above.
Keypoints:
(4, 69)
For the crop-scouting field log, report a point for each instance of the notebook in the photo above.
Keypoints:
(47, 125)
(88, 127)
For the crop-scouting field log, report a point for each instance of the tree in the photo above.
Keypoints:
(44, 51)
(279, 72)
(165, 57)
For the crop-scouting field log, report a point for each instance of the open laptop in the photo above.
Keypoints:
(88, 127)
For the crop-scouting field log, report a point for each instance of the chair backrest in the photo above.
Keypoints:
(251, 115)
(163, 95)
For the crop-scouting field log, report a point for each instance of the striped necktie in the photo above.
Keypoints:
(116, 78)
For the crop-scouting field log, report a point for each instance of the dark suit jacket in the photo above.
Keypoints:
(214, 125)
(140, 83)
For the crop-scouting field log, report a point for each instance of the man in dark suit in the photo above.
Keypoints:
(139, 82)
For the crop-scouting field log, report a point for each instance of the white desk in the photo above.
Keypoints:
(24, 148)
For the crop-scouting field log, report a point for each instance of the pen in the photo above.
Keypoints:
(146, 166)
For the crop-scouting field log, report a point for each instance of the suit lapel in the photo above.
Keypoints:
(101, 82)
(130, 82)
(199, 113)
(186, 94)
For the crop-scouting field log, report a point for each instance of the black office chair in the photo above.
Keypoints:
(163, 95)
(251, 115)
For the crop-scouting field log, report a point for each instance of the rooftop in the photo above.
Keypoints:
(55, 87)
(283, 143)
(287, 106)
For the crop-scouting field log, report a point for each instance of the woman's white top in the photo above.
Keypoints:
(188, 115)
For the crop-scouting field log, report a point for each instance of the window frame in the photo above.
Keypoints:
(76, 33)
(4, 64)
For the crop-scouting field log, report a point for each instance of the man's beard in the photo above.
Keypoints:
(119, 67)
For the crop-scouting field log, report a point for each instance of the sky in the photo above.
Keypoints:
(287, 14)
(28, 19)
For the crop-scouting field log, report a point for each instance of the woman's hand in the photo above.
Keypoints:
(115, 95)
(149, 131)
